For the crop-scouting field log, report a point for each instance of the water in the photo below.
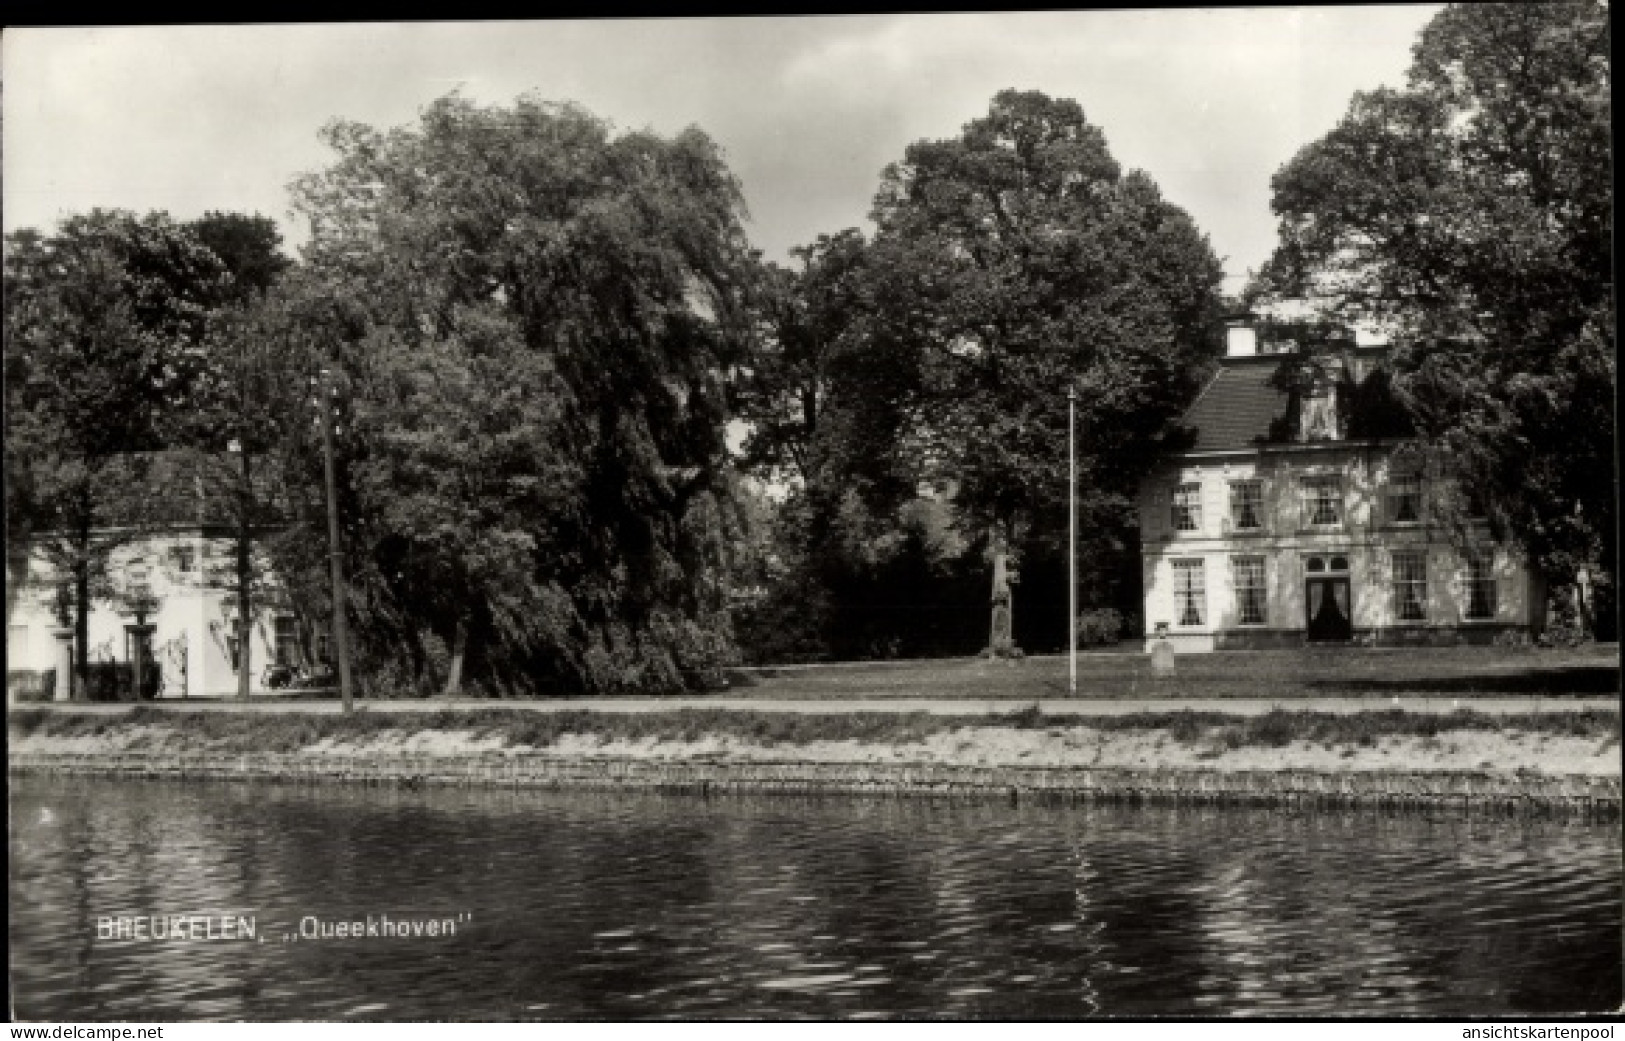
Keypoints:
(604, 906)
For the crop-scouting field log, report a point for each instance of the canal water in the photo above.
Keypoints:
(582, 905)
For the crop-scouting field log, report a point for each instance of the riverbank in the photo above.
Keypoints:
(1558, 758)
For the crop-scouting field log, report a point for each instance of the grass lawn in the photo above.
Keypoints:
(1342, 672)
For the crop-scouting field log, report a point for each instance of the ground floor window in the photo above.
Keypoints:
(1480, 587)
(1190, 592)
(287, 641)
(1250, 596)
(1411, 586)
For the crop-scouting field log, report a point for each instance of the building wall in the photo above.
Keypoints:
(1368, 536)
(190, 576)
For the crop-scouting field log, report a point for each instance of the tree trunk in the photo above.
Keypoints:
(17, 568)
(244, 619)
(81, 628)
(459, 645)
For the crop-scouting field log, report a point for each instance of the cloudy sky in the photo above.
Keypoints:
(808, 109)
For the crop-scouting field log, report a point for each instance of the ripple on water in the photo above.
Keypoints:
(646, 907)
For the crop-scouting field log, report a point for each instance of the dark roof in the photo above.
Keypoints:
(1236, 408)
(182, 488)
(1240, 409)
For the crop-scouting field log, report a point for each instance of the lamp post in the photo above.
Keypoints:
(335, 553)
(245, 616)
(1071, 543)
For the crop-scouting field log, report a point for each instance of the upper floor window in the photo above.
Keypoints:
(1405, 499)
(1480, 586)
(1187, 507)
(183, 558)
(1247, 505)
(1250, 594)
(1190, 592)
(1322, 501)
(1411, 586)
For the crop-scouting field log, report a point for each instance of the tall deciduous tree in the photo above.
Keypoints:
(242, 407)
(105, 323)
(1471, 213)
(1021, 261)
(807, 319)
(537, 463)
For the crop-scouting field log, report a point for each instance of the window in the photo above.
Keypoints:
(184, 558)
(1480, 587)
(1190, 592)
(1405, 499)
(1411, 586)
(1322, 501)
(1187, 512)
(287, 641)
(1250, 599)
(1247, 505)
(1318, 416)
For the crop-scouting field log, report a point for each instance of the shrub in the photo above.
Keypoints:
(1564, 625)
(1099, 626)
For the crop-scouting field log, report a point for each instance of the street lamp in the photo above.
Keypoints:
(1071, 543)
(335, 553)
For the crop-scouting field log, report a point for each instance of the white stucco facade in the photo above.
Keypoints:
(190, 576)
(1405, 580)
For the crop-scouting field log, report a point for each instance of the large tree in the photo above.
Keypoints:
(1471, 214)
(241, 409)
(106, 323)
(1020, 261)
(807, 319)
(536, 466)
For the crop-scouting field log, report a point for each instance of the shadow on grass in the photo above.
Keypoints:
(1576, 680)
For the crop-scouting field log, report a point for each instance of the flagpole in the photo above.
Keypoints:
(1071, 544)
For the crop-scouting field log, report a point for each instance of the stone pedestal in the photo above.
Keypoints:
(1162, 658)
(64, 665)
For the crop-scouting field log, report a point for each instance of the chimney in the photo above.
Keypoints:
(1240, 338)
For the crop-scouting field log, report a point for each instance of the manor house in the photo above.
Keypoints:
(1295, 515)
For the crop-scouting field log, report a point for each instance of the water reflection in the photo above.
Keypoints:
(631, 907)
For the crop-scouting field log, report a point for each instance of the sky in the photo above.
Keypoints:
(808, 110)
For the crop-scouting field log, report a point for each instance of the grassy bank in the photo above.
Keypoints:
(294, 731)
(1434, 672)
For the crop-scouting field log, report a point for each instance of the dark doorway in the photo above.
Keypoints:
(1330, 609)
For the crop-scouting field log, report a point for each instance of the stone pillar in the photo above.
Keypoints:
(1001, 637)
(64, 665)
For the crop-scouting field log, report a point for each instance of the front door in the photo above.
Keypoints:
(1328, 605)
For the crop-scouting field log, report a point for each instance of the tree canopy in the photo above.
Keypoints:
(545, 313)
(106, 328)
(1034, 265)
(1470, 214)
(1009, 264)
